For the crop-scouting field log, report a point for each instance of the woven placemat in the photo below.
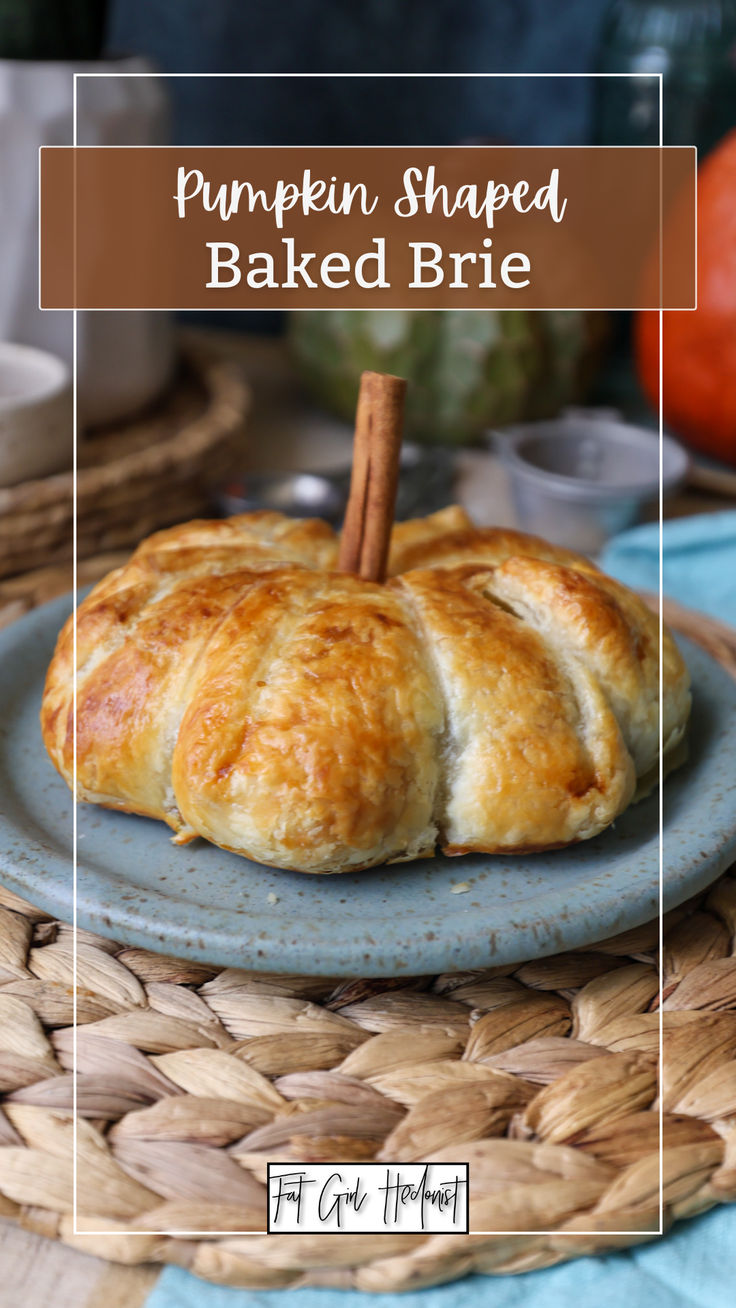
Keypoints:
(543, 1077)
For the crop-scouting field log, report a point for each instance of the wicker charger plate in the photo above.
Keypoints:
(133, 477)
(542, 1076)
(191, 1079)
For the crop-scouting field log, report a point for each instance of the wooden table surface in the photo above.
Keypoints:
(40, 1273)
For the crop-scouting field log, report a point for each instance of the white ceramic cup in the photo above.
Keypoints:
(125, 359)
(36, 431)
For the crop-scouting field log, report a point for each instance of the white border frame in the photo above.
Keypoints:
(559, 76)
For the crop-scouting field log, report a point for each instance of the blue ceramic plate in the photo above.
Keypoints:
(200, 902)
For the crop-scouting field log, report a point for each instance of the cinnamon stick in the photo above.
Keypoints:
(379, 422)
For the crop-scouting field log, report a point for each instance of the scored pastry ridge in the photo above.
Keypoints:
(497, 694)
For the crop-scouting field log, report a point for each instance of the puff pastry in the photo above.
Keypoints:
(497, 694)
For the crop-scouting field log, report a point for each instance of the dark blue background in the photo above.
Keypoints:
(369, 36)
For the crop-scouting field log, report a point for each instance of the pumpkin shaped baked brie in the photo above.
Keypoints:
(496, 694)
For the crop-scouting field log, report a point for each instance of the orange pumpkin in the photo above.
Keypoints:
(699, 346)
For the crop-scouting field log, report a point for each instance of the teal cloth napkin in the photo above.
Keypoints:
(699, 561)
(693, 1266)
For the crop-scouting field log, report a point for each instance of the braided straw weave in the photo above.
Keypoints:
(542, 1076)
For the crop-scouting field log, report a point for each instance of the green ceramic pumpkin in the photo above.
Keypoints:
(468, 370)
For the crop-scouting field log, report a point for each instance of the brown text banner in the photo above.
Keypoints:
(415, 227)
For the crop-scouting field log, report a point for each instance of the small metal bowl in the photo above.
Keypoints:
(425, 481)
(579, 479)
(298, 494)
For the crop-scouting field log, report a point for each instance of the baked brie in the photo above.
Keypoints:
(497, 694)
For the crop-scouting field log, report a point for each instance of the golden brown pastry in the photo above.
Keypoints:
(497, 694)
